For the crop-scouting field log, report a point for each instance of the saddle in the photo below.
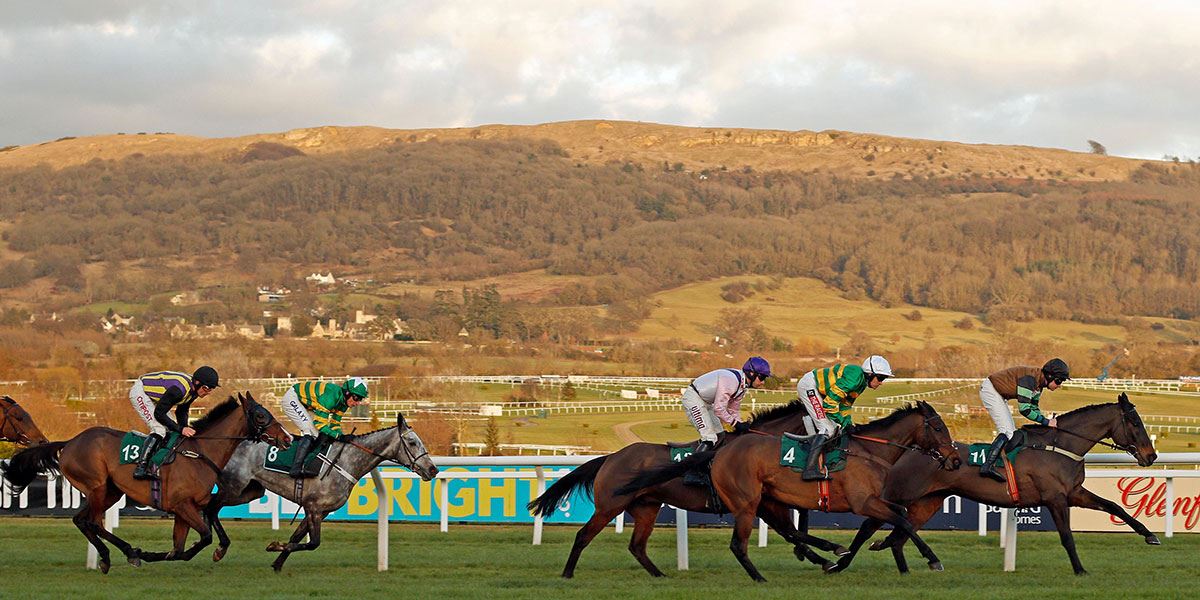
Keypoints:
(281, 461)
(977, 453)
(133, 446)
(794, 450)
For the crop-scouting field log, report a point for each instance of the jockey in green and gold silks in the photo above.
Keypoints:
(317, 407)
(828, 395)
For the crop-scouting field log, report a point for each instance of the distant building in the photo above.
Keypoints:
(251, 331)
(185, 298)
(319, 279)
(363, 318)
(283, 324)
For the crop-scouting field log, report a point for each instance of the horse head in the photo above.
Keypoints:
(934, 437)
(16, 425)
(1130, 433)
(408, 450)
(261, 424)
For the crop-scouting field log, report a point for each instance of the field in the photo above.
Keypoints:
(804, 308)
(43, 558)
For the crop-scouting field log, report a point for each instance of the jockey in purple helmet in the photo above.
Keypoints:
(716, 397)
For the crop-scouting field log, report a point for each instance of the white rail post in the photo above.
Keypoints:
(620, 522)
(681, 539)
(983, 524)
(1169, 518)
(1003, 527)
(275, 502)
(111, 520)
(762, 533)
(1010, 549)
(445, 505)
(381, 538)
(537, 519)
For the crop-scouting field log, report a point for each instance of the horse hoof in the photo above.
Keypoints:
(1153, 540)
(135, 561)
(831, 568)
(219, 553)
(275, 547)
(936, 566)
(878, 545)
(103, 566)
(841, 551)
(1082, 572)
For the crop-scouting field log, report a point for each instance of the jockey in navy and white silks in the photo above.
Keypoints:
(716, 397)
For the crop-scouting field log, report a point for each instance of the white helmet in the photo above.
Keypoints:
(877, 365)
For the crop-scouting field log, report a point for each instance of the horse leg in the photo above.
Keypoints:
(918, 514)
(1061, 512)
(193, 518)
(776, 517)
(314, 540)
(743, 525)
(644, 514)
(584, 537)
(1085, 498)
(219, 500)
(865, 531)
(880, 509)
(86, 520)
(110, 497)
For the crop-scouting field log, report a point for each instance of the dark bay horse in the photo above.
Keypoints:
(90, 461)
(1044, 477)
(747, 472)
(603, 475)
(17, 426)
(245, 479)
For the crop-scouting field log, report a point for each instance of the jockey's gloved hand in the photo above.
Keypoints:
(741, 427)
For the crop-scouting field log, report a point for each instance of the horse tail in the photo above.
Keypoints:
(584, 476)
(663, 474)
(25, 465)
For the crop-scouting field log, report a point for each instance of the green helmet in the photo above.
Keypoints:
(356, 386)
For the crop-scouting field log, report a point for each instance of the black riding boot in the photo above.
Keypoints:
(699, 474)
(143, 470)
(812, 469)
(989, 464)
(303, 445)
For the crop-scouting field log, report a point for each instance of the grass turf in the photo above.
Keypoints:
(43, 558)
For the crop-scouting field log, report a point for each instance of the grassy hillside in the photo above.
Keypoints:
(807, 309)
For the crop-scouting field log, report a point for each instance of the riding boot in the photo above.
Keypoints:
(812, 469)
(143, 470)
(698, 475)
(989, 464)
(303, 445)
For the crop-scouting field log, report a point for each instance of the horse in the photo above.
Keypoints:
(91, 463)
(747, 472)
(601, 476)
(245, 479)
(1051, 476)
(17, 426)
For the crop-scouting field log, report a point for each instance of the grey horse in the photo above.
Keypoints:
(244, 479)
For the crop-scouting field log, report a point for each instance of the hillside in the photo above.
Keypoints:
(599, 142)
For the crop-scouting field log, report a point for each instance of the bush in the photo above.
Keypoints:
(914, 316)
(965, 323)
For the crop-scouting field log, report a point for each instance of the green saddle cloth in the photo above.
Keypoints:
(133, 446)
(281, 461)
(977, 453)
(680, 452)
(793, 452)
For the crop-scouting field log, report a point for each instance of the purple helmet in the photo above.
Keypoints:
(757, 365)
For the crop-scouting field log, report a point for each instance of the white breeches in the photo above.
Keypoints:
(997, 408)
(290, 403)
(145, 408)
(806, 389)
(702, 415)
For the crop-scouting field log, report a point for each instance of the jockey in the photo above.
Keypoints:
(716, 397)
(164, 389)
(328, 402)
(1025, 384)
(829, 394)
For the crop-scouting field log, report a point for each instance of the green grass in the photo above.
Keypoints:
(807, 309)
(43, 558)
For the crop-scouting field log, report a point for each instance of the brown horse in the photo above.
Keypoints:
(603, 475)
(1045, 477)
(17, 426)
(90, 461)
(747, 472)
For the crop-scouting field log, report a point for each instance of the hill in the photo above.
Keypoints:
(599, 142)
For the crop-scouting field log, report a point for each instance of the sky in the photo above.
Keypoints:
(1044, 73)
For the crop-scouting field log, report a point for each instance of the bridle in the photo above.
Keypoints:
(1131, 449)
(933, 453)
(408, 454)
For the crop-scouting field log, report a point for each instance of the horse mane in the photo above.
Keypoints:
(215, 414)
(775, 412)
(1088, 408)
(891, 419)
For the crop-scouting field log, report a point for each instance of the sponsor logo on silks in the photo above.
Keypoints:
(815, 401)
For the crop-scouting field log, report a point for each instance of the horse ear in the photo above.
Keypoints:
(1123, 398)
(241, 400)
(400, 420)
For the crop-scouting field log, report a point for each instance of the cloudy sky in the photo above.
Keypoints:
(1038, 73)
